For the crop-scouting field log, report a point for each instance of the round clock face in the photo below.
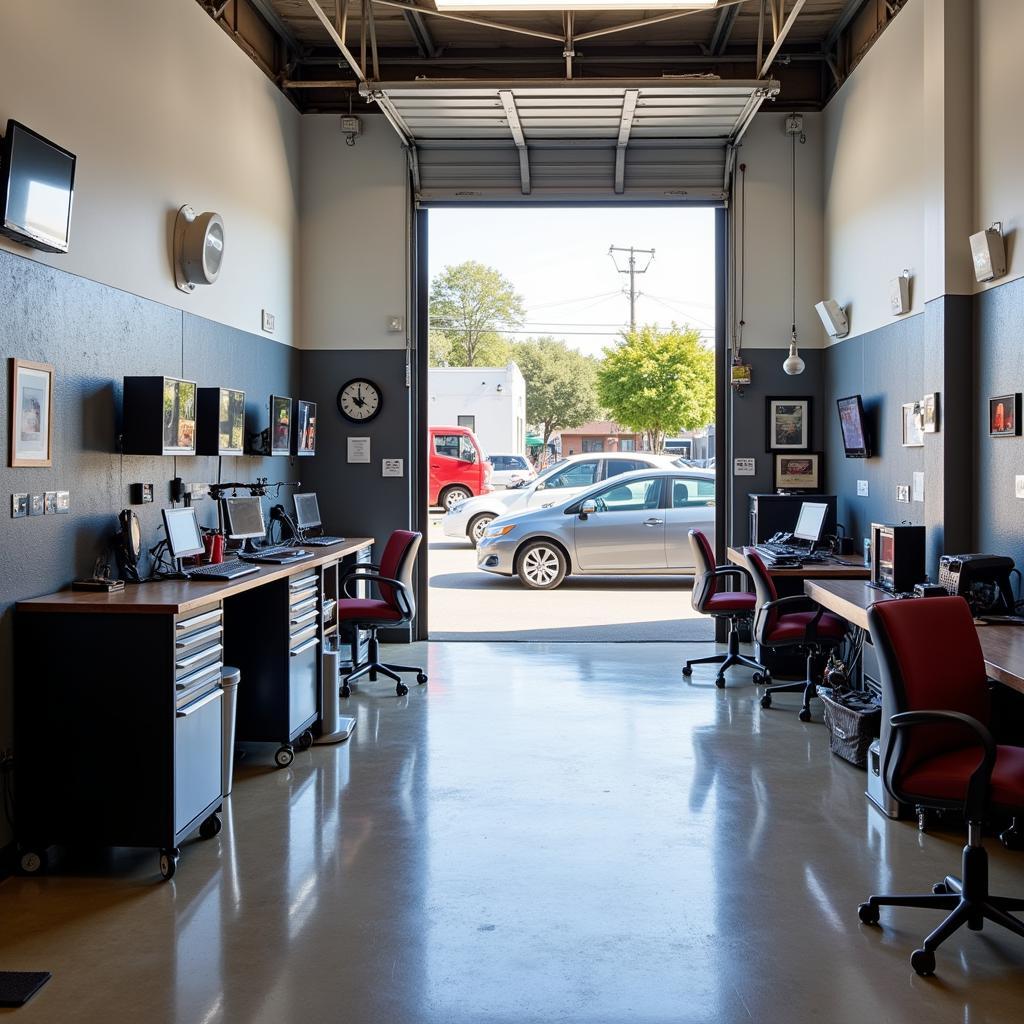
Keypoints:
(359, 400)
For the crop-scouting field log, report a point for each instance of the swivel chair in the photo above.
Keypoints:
(938, 752)
(807, 628)
(395, 607)
(721, 604)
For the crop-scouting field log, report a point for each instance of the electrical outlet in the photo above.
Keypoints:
(50, 503)
(19, 505)
(862, 488)
(903, 492)
(35, 504)
(197, 491)
(63, 503)
(1019, 484)
(269, 321)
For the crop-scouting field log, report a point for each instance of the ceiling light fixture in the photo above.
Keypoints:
(573, 5)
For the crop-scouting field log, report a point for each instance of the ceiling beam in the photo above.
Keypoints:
(465, 19)
(658, 19)
(338, 41)
(420, 33)
(783, 33)
(508, 101)
(629, 101)
(269, 15)
(723, 29)
(848, 13)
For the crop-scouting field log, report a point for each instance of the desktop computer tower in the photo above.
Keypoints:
(776, 513)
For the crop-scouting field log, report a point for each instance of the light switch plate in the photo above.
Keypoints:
(903, 492)
(63, 503)
(1019, 485)
(50, 503)
(35, 504)
(269, 321)
(862, 488)
(19, 504)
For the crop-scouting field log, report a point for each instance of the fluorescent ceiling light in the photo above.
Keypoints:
(572, 5)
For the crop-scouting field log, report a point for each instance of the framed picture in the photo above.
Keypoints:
(1004, 416)
(31, 413)
(913, 436)
(788, 424)
(797, 472)
(930, 413)
(280, 425)
(305, 428)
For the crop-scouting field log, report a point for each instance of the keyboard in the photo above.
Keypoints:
(277, 556)
(228, 570)
(277, 549)
(322, 542)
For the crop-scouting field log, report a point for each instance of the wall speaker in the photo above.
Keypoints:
(833, 316)
(899, 294)
(989, 253)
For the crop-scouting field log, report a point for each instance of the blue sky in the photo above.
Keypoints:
(558, 261)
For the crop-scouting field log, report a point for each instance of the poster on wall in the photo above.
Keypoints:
(31, 404)
(788, 424)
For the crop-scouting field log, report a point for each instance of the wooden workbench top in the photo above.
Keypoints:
(839, 567)
(173, 597)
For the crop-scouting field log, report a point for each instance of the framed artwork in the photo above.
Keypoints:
(305, 428)
(31, 413)
(797, 472)
(930, 413)
(1004, 416)
(913, 436)
(788, 424)
(280, 425)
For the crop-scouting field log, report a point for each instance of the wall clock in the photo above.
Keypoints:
(359, 400)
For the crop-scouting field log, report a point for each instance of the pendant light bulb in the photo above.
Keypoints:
(794, 364)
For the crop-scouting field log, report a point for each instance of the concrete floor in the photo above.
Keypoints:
(467, 603)
(544, 833)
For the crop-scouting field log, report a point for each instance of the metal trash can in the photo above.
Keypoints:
(336, 727)
(229, 678)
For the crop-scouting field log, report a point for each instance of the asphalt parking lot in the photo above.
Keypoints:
(466, 603)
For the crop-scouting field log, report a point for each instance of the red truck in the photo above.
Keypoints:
(458, 466)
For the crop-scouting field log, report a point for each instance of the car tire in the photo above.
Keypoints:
(452, 496)
(542, 565)
(477, 525)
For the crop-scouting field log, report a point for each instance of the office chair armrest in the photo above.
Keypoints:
(722, 571)
(793, 599)
(981, 778)
(401, 594)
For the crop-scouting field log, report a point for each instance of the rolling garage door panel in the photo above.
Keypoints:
(569, 141)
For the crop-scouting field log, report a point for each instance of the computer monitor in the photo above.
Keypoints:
(810, 521)
(243, 518)
(307, 511)
(182, 529)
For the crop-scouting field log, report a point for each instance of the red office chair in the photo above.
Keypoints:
(938, 752)
(395, 607)
(721, 604)
(808, 628)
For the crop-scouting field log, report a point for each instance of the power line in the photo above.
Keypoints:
(632, 269)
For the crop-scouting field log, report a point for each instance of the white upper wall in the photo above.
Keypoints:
(354, 232)
(874, 176)
(161, 109)
(768, 308)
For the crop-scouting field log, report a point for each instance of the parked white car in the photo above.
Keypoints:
(469, 519)
(509, 470)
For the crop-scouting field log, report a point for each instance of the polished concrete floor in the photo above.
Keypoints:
(556, 833)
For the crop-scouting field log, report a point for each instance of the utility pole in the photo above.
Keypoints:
(632, 269)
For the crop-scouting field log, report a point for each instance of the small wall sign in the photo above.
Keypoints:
(743, 467)
(359, 449)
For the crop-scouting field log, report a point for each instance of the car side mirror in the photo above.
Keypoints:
(587, 508)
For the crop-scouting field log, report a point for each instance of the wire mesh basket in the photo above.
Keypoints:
(853, 722)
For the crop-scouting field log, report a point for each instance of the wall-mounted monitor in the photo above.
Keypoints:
(220, 429)
(159, 416)
(37, 184)
(856, 442)
(305, 428)
(280, 425)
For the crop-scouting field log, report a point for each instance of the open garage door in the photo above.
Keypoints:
(564, 141)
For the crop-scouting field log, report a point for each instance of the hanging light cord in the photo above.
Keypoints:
(793, 139)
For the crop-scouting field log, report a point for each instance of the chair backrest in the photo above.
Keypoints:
(397, 563)
(929, 659)
(705, 585)
(764, 592)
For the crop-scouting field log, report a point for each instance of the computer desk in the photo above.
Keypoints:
(841, 567)
(1002, 646)
(117, 697)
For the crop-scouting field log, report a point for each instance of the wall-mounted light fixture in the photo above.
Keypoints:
(833, 317)
(198, 248)
(989, 253)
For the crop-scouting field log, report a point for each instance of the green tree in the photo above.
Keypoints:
(561, 384)
(440, 349)
(657, 382)
(470, 304)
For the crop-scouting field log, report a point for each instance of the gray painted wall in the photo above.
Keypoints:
(94, 335)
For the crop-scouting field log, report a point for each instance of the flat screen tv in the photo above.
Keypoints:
(37, 183)
(855, 432)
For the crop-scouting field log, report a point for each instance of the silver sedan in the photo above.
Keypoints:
(637, 524)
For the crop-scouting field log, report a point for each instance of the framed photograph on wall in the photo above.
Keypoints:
(797, 472)
(787, 424)
(913, 436)
(1004, 416)
(280, 425)
(31, 413)
(930, 413)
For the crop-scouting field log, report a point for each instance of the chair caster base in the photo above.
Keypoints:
(766, 700)
(868, 913)
(687, 671)
(401, 689)
(805, 714)
(923, 962)
(720, 682)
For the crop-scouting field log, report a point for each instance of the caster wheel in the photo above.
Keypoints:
(401, 689)
(940, 889)
(421, 677)
(757, 679)
(33, 862)
(868, 913)
(805, 714)
(687, 671)
(923, 962)
(168, 863)
(720, 682)
(284, 756)
(305, 741)
(210, 827)
(346, 691)
(1012, 839)
(766, 700)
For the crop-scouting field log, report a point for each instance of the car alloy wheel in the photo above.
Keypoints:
(454, 496)
(542, 566)
(478, 526)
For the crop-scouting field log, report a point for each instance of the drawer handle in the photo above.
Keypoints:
(306, 581)
(301, 607)
(201, 703)
(196, 638)
(198, 656)
(199, 676)
(304, 647)
(198, 620)
(304, 618)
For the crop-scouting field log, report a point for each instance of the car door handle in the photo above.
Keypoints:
(654, 522)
